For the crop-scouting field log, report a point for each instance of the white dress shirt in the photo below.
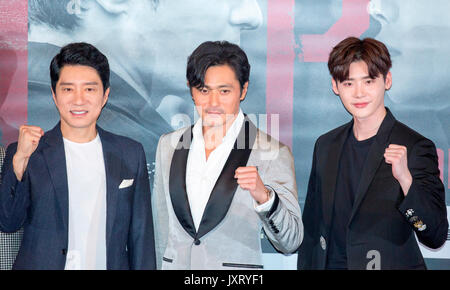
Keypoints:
(202, 174)
(86, 180)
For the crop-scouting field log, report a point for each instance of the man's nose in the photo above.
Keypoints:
(246, 14)
(214, 98)
(384, 11)
(359, 90)
(79, 97)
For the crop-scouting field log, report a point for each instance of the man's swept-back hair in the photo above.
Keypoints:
(373, 52)
(80, 53)
(212, 53)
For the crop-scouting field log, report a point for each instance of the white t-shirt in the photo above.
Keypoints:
(86, 180)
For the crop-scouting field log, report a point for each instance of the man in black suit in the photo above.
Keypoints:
(374, 182)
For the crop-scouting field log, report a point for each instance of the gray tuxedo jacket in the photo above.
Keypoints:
(229, 233)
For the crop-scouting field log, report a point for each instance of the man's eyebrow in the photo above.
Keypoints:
(66, 84)
(71, 84)
(352, 79)
(220, 86)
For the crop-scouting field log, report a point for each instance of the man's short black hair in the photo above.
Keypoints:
(212, 53)
(80, 53)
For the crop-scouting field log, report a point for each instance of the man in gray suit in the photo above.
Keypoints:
(9, 242)
(220, 181)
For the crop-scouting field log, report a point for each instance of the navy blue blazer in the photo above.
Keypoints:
(40, 204)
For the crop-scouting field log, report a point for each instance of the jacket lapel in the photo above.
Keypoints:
(224, 189)
(374, 159)
(332, 168)
(113, 163)
(223, 192)
(177, 183)
(55, 158)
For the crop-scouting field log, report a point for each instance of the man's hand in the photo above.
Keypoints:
(396, 155)
(249, 179)
(29, 137)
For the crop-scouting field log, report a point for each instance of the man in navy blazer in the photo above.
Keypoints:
(81, 193)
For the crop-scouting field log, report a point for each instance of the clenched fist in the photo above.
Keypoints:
(29, 137)
(397, 156)
(248, 178)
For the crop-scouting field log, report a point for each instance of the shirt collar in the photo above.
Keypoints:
(231, 134)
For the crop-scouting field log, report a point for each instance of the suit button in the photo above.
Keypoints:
(64, 251)
(409, 213)
(197, 242)
(323, 243)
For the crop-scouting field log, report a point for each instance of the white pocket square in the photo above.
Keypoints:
(126, 183)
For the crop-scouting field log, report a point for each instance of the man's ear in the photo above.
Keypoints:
(388, 81)
(114, 6)
(244, 92)
(53, 96)
(334, 85)
(106, 96)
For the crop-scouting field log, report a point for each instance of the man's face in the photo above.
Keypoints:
(417, 34)
(218, 102)
(168, 33)
(362, 96)
(79, 97)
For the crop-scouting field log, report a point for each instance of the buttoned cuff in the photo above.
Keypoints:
(411, 209)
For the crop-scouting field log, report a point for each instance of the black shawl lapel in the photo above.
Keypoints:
(223, 192)
(331, 171)
(177, 183)
(374, 159)
(55, 158)
(112, 156)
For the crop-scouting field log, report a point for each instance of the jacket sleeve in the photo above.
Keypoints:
(310, 219)
(14, 195)
(283, 223)
(141, 238)
(424, 205)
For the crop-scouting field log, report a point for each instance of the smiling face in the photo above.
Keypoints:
(79, 98)
(218, 101)
(361, 95)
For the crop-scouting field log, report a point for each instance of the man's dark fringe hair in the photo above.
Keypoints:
(373, 52)
(80, 53)
(212, 53)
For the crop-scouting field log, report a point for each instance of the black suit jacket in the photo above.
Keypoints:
(40, 203)
(382, 218)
